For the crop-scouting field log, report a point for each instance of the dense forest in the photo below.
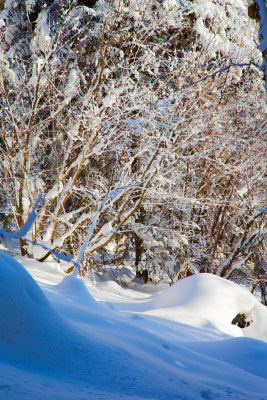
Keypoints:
(143, 121)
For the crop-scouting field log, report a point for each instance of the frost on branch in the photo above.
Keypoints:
(100, 99)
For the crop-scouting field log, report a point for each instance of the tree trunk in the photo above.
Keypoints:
(139, 250)
(261, 275)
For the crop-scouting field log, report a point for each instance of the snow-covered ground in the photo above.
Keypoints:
(67, 338)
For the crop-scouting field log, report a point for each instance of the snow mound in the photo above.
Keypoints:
(75, 291)
(35, 338)
(207, 299)
(32, 333)
(76, 348)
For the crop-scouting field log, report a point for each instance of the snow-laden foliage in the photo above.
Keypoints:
(100, 112)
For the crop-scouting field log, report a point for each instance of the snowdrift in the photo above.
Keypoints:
(209, 299)
(32, 333)
(178, 344)
(34, 337)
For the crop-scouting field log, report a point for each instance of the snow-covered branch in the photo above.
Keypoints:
(25, 228)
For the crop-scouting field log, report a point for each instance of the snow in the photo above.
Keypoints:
(26, 227)
(38, 75)
(228, 30)
(7, 71)
(66, 338)
(109, 100)
(72, 84)
(30, 5)
(42, 39)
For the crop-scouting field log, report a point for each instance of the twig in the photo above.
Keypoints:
(221, 70)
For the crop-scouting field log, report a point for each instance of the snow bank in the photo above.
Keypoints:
(35, 338)
(33, 335)
(208, 299)
(58, 337)
(74, 290)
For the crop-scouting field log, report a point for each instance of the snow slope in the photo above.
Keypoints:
(63, 338)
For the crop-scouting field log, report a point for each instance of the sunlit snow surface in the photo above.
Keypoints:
(64, 338)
